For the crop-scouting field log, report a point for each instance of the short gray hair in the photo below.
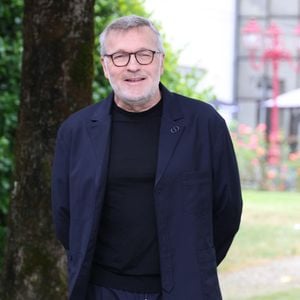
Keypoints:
(126, 23)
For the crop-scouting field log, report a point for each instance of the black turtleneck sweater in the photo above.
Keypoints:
(127, 255)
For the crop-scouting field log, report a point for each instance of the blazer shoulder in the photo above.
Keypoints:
(83, 115)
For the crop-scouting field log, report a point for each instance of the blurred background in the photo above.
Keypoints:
(241, 56)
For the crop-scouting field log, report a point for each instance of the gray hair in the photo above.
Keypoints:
(126, 23)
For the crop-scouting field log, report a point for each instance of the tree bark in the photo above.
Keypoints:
(57, 71)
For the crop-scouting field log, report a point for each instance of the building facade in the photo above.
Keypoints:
(252, 87)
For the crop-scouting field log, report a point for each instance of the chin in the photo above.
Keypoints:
(135, 97)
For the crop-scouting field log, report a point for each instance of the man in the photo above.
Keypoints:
(146, 192)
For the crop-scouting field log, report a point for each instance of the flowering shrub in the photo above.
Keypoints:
(294, 164)
(251, 148)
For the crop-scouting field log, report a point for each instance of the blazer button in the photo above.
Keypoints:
(174, 129)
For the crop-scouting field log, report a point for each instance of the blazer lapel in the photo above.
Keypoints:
(172, 127)
(98, 127)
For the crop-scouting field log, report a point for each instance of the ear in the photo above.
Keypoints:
(104, 67)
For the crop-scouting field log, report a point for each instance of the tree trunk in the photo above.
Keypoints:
(57, 73)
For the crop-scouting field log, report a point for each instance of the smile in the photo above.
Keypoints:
(135, 79)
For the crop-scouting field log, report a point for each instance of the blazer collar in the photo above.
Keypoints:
(171, 107)
(103, 109)
(98, 128)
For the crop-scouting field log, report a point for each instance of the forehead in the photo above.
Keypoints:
(130, 40)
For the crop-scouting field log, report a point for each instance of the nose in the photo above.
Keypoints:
(133, 64)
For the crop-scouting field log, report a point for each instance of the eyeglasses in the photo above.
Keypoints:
(143, 57)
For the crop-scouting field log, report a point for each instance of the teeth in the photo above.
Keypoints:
(135, 79)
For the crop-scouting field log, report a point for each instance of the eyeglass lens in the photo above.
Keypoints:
(143, 57)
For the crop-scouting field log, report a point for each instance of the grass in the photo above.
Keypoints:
(286, 295)
(267, 230)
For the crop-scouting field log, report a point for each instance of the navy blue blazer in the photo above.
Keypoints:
(197, 194)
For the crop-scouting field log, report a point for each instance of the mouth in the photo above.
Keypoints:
(135, 80)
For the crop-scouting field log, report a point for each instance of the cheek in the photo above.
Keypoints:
(110, 75)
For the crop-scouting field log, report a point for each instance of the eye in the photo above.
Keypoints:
(144, 53)
(120, 55)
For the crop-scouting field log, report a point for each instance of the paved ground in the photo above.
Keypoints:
(276, 276)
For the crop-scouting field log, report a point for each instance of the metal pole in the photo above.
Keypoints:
(274, 151)
(275, 55)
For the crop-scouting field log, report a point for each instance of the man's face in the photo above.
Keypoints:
(133, 84)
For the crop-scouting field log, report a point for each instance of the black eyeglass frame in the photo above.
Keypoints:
(129, 57)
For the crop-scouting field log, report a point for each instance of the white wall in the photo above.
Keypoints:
(205, 32)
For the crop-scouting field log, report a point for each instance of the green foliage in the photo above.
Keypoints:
(10, 65)
(10, 53)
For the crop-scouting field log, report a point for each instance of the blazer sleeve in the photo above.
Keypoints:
(60, 191)
(227, 192)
